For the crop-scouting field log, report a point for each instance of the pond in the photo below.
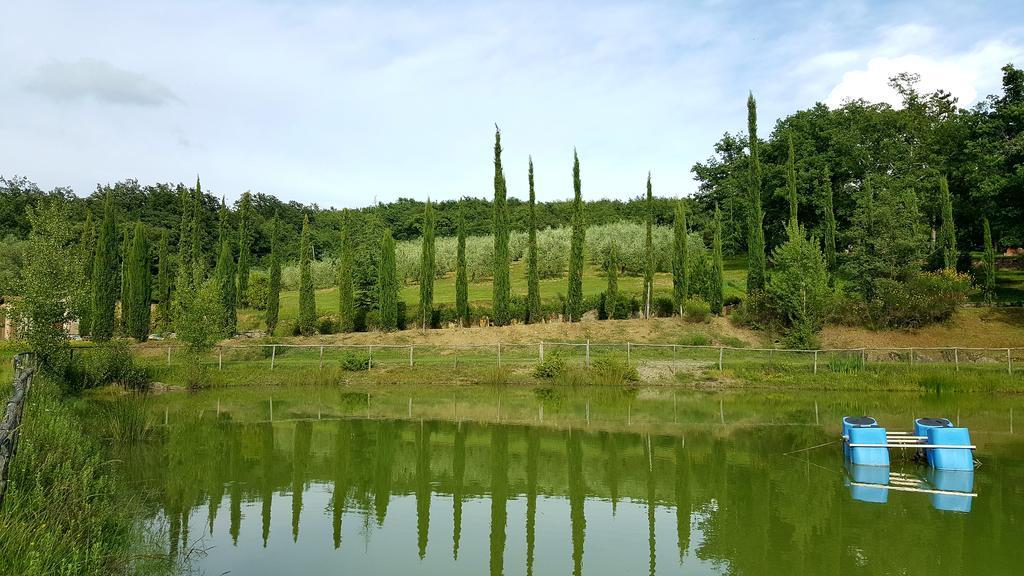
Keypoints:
(478, 480)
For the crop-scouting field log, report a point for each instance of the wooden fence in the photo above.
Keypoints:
(10, 426)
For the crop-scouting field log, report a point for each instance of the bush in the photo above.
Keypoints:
(925, 298)
(615, 371)
(353, 361)
(552, 367)
(694, 339)
(662, 307)
(797, 294)
(327, 324)
(625, 306)
(696, 309)
(109, 364)
(258, 290)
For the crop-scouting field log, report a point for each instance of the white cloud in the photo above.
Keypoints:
(97, 79)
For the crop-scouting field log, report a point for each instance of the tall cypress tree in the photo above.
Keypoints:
(135, 306)
(427, 268)
(307, 298)
(680, 274)
(104, 276)
(183, 277)
(791, 180)
(755, 224)
(163, 282)
(533, 310)
(717, 270)
(830, 225)
(87, 251)
(947, 232)
(611, 294)
(225, 274)
(346, 289)
(244, 246)
(989, 261)
(274, 291)
(574, 298)
(461, 280)
(196, 256)
(387, 283)
(126, 245)
(500, 222)
(648, 250)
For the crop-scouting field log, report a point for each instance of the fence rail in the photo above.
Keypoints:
(11, 423)
(587, 352)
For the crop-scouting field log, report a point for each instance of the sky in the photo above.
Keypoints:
(347, 103)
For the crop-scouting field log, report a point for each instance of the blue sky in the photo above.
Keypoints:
(339, 103)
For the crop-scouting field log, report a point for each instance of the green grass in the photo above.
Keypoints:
(594, 283)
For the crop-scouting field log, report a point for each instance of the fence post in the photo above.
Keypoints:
(956, 358)
(410, 356)
(588, 353)
(321, 357)
(815, 361)
(721, 351)
(628, 354)
(369, 361)
(220, 359)
(499, 354)
(911, 356)
(273, 355)
(271, 408)
(541, 347)
(168, 355)
(1009, 362)
(863, 358)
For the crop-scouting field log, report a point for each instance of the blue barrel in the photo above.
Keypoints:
(952, 481)
(878, 476)
(855, 422)
(923, 425)
(950, 458)
(868, 456)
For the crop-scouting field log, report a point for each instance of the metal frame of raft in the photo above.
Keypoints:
(943, 445)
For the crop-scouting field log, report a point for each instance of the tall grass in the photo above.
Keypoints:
(125, 419)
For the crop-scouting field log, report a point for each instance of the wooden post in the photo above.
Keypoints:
(721, 410)
(588, 412)
(815, 371)
(410, 356)
(273, 355)
(588, 355)
(321, 357)
(863, 358)
(541, 350)
(956, 358)
(499, 354)
(816, 421)
(220, 359)
(1009, 362)
(369, 365)
(721, 351)
(271, 408)
(168, 355)
(1011, 418)
(628, 354)
(410, 407)
(911, 356)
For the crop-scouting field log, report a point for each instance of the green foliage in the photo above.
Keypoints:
(552, 367)
(798, 292)
(274, 281)
(461, 282)
(387, 284)
(696, 309)
(307, 299)
(755, 214)
(108, 364)
(791, 180)
(196, 257)
(830, 223)
(533, 308)
(354, 361)
(244, 245)
(163, 282)
(427, 270)
(258, 291)
(104, 276)
(52, 285)
(199, 316)
(716, 289)
(680, 274)
(574, 299)
(649, 249)
(225, 276)
(346, 288)
(500, 300)
(924, 298)
(988, 262)
(613, 371)
(86, 253)
(135, 307)
(947, 231)
(611, 294)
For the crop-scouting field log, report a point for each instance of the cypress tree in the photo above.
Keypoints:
(163, 282)
(87, 251)
(387, 283)
(244, 246)
(717, 271)
(346, 289)
(461, 281)
(183, 285)
(791, 180)
(196, 257)
(500, 222)
(274, 291)
(648, 250)
(307, 298)
(135, 307)
(830, 225)
(755, 229)
(574, 298)
(947, 232)
(126, 244)
(989, 261)
(225, 274)
(427, 268)
(104, 276)
(611, 294)
(533, 310)
(680, 274)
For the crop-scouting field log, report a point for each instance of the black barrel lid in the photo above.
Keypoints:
(941, 422)
(860, 420)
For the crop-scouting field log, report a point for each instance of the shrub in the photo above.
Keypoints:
(925, 298)
(694, 339)
(662, 307)
(797, 293)
(327, 324)
(615, 371)
(625, 306)
(696, 309)
(258, 290)
(354, 361)
(552, 366)
(109, 364)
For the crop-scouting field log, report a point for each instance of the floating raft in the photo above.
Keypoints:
(944, 446)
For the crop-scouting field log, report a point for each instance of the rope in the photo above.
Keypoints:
(811, 448)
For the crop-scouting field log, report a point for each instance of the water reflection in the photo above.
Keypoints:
(384, 496)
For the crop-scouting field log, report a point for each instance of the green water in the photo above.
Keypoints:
(554, 482)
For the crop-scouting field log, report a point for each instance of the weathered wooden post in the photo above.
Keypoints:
(721, 352)
(628, 354)
(956, 358)
(815, 366)
(588, 353)
(168, 355)
(321, 357)
(541, 350)
(369, 363)
(220, 359)
(273, 355)
(1009, 362)
(410, 356)
(499, 354)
